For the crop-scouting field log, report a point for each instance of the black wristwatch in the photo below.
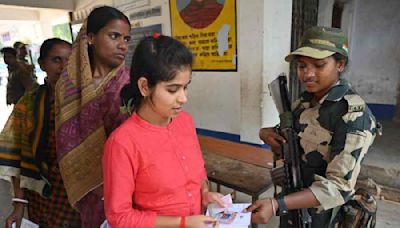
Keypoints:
(282, 209)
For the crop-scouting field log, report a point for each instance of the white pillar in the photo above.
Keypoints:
(325, 9)
(250, 58)
(277, 36)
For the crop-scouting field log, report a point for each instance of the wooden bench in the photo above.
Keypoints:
(238, 166)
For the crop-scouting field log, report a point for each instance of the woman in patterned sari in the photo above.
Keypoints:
(27, 149)
(88, 108)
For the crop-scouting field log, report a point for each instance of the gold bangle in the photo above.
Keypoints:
(273, 207)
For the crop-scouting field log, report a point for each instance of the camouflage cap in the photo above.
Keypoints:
(321, 42)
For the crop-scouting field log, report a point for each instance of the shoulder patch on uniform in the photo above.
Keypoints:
(355, 103)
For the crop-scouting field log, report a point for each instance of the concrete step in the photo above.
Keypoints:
(384, 176)
(380, 191)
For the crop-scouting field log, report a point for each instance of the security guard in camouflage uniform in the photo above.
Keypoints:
(335, 129)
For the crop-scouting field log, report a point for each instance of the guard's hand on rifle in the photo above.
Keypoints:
(278, 176)
(269, 136)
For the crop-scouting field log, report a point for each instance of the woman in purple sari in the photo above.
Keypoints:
(88, 108)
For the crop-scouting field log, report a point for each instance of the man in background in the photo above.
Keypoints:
(21, 50)
(22, 54)
(20, 77)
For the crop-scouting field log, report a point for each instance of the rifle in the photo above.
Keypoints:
(292, 181)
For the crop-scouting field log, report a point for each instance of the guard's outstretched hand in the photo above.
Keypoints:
(262, 210)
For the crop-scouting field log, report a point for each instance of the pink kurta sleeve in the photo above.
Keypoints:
(119, 168)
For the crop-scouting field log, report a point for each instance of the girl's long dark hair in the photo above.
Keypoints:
(157, 58)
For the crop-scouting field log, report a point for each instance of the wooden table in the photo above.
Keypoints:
(238, 166)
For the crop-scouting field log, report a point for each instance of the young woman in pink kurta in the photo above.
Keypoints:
(154, 173)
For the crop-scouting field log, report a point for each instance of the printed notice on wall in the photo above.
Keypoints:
(208, 28)
(128, 5)
(137, 34)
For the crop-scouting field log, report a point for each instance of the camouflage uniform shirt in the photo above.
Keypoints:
(334, 135)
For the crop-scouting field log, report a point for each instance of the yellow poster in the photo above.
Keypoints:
(208, 28)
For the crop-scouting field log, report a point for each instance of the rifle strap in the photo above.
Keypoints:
(333, 217)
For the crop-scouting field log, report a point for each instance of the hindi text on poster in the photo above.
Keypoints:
(209, 30)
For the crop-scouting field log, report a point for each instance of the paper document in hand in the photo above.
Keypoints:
(105, 224)
(215, 208)
(25, 223)
(232, 216)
